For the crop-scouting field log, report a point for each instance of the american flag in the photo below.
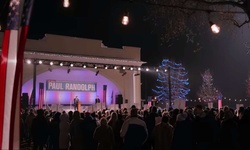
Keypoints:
(10, 74)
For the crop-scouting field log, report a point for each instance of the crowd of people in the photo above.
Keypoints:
(137, 129)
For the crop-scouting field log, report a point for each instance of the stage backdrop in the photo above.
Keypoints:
(62, 87)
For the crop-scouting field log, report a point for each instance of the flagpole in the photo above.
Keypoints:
(34, 85)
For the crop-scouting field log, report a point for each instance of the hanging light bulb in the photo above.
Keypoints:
(214, 27)
(66, 3)
(28, 61)
(125, 19)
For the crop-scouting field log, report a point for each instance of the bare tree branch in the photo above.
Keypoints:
(232, 3)
(244, 5)
(240, 25)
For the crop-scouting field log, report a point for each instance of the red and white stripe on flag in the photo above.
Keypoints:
(7, 76)
(8, 67)
(7, 72)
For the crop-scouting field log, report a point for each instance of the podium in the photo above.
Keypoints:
(79, 106)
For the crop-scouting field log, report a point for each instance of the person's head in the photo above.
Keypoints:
(57, 116)
(181, 116)
(103, 122)
(133, 113)
(64, 117)
(198, 109)
(228, 115)
(164, 119)
(225, 108)
(76, 96)
(154, 109)
(114, 116)
(76, 115)
(133, 107)
(40, 112)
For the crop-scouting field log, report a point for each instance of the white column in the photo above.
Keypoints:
(137, 89)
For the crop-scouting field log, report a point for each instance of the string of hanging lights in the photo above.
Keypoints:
(91, 65)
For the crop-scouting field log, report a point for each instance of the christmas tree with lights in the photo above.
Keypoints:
(208, 93)
(172, 81)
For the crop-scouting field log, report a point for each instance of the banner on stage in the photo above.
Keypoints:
(55, 85)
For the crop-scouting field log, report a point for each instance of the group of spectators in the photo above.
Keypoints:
(138, 129)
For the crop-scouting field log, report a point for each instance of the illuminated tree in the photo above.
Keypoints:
(208, 92)
(176, 84)
(175, 18)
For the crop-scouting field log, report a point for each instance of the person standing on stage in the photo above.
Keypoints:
(97, 100)
(76, 100)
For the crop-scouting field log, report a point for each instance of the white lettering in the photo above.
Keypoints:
(66, 86)
(50, 85)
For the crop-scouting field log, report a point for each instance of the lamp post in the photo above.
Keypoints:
(169, 88)
(34, 84)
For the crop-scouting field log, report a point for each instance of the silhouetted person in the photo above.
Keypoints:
(134, 131)
(97, 100)
(39, 130)
(104, 136)
(76, 100)
(162, 134)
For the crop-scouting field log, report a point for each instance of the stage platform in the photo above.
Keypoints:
(86, 107)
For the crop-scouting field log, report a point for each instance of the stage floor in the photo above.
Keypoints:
(86, 108)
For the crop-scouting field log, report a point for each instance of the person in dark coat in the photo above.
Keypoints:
(202, 130)
(89, 126)
(162, 134)
(116, 127)
(104, 136)
(244, 129)
(39, 130)
(76, 132)
(134, 132)
(229, 134)
(55, 131)
(182, 138)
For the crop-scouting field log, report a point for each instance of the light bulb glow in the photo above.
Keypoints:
(66, 3)
(40, 62)
(61, 64)
(125, 20)
(28, 61)
(215, 28)
(51, 63)
(71, 65)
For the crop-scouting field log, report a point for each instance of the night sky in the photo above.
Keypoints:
(224, 54)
